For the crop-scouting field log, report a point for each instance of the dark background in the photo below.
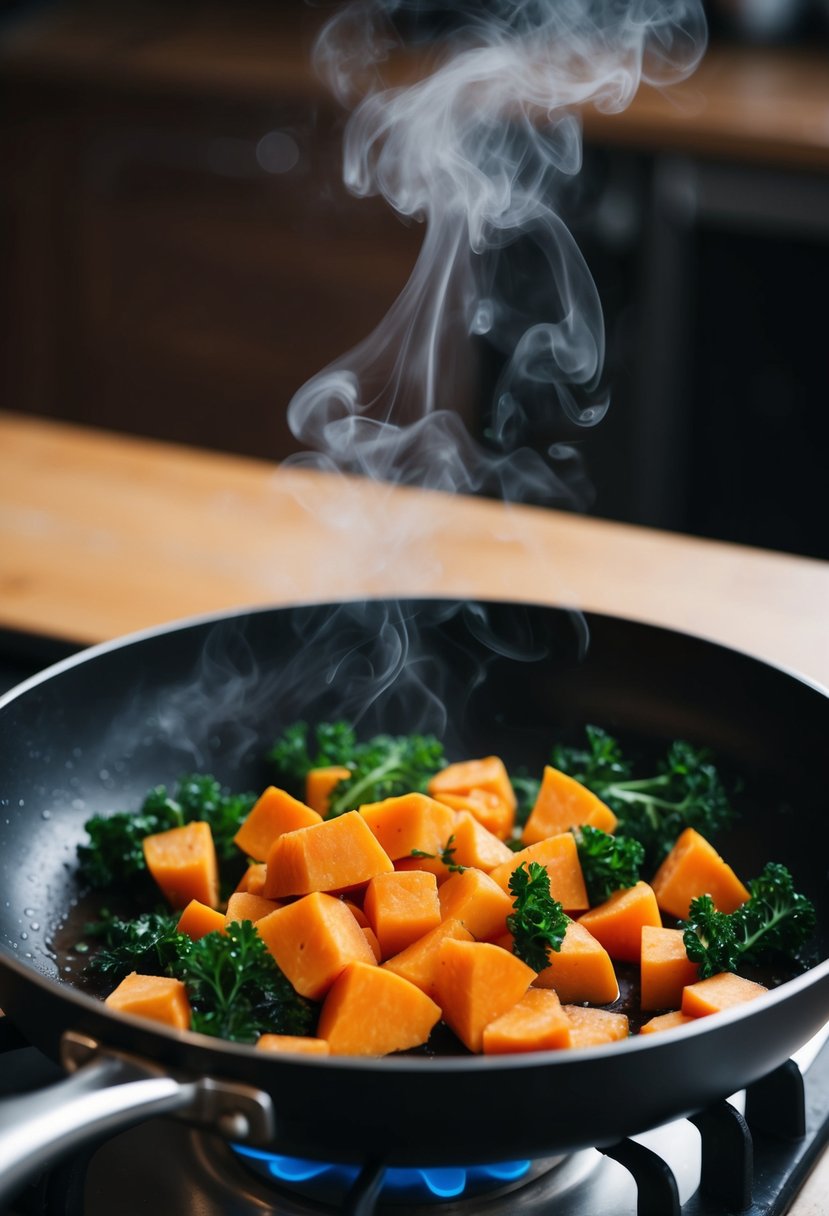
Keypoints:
(167, 273)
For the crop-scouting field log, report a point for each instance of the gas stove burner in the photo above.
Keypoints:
(329, 1182)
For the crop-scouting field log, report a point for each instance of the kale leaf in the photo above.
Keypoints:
(149, 944)
(685, 791)
(774, 920)
(114, 852)
(296, 751)
(608, 862)
(237, 991)
(382, 767)
(538, 922)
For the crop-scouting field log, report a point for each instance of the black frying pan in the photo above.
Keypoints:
(95, 732)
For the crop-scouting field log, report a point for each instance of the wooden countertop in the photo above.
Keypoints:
(102, 534)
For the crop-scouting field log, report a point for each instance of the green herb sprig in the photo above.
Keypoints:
(774, 920)
(538, 922)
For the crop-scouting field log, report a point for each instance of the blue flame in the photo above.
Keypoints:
(444, 1182)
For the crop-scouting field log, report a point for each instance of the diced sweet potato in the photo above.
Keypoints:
(197, 920)
(273, 814)
(666, 1021)
(536, 1023)
(401, 907)
(564, 803)
(418, 962)
(295, 1044)
(475, 983)
(582, 970)
(313, 940)
(618, 922)
(489, 809)
(253, 879)
(476, 846)
(718, 992)
(370, 1011)
(665, 968)
(152, 996)
(329, 856)
(183, 863)
(409, 822)
(432, 865)
(371, 938)
(593, 1027)
(474, 899)
(488, 774)
(560, 857)
(242, 905)
(320, 784)
(694, 867)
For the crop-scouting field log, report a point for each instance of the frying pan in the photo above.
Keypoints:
(95, 732)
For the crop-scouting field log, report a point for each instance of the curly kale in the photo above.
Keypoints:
(608, 862)
(774, 920)
(538, 922)
(114, 852)
(382, 767)
(149, 943)
(297, 750)
(237, 991)
(685, 791)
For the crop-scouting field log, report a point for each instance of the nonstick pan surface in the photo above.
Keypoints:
(94, 733)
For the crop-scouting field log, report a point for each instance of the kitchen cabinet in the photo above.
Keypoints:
(181, 252)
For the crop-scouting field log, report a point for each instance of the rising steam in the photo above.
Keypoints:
(479, 151)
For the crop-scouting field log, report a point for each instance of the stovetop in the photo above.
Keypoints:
(750, 1154)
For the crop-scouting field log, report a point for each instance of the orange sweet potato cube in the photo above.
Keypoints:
(488, 774)
(475, 982)
(477, 901)
(242, 905)
(152, 996)
(332, 855)
(694, 867)
(594, 1027)
(320, 784)
(313, 940)
(665, 968)
(253, 879)
(183, 863)
(666, 1021)
(476, 846)
(488, 808)
(197, 920)
(418, 962)
(401, 907)
(718, 992)
(564, 803)
(581, 970)
(536, 1023)
(560, 857)
(295, 1044)
(273, 814)
(409, 822)
(370, 1012)
(618, 922)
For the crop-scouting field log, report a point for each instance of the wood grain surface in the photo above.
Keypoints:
(101, 535)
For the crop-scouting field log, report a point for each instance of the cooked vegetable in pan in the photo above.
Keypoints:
(386, 891)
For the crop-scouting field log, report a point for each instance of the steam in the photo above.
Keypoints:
(480, 150)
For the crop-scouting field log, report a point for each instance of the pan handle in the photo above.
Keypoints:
(107, 1092)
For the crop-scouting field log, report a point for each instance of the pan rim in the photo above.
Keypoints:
(88, 653)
